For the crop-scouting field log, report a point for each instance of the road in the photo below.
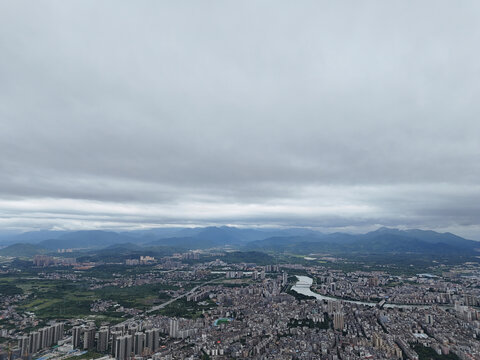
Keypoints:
(161, 306)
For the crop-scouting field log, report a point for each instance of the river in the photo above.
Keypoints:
(304, 283)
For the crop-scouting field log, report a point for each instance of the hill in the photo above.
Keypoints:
(299, 241)
(22, 250)
(383, 240)
(201, 238)
(31, 237)
(86, 239)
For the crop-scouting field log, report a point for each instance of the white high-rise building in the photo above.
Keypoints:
(128, 346)
(139, 343)
(173, 329)
(102, 342)
(338, 320)
(120, 347)
(89, 338)
(115, 336)
(76, 336)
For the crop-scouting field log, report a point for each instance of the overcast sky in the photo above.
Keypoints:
(339, 115)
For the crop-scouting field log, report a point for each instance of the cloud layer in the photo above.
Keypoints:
(338, 116)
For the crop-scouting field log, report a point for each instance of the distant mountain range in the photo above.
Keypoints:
(299, 241)
(24, 250)
(200, 237)
(383, 240)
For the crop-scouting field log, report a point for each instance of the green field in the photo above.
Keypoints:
(62, 299)
(186, 309)
(427, 353)
(140, 297)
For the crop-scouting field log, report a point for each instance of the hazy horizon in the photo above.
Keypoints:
(268, 228)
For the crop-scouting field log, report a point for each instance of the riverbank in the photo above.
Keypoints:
(304, 284)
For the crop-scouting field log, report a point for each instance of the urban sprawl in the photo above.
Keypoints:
(216, 309)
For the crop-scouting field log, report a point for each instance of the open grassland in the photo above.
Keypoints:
(186, 309)
(57, 299)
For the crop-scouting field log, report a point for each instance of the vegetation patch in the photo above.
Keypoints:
(427, 353)
(186, 309)
(10, 290)
(310, 323)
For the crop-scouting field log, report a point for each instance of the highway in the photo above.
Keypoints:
(161, 306)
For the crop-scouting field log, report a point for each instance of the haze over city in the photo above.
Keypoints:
(340, 116)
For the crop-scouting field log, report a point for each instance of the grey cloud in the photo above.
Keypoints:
(260, 105)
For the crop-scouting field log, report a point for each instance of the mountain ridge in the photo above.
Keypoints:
(299, 240)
